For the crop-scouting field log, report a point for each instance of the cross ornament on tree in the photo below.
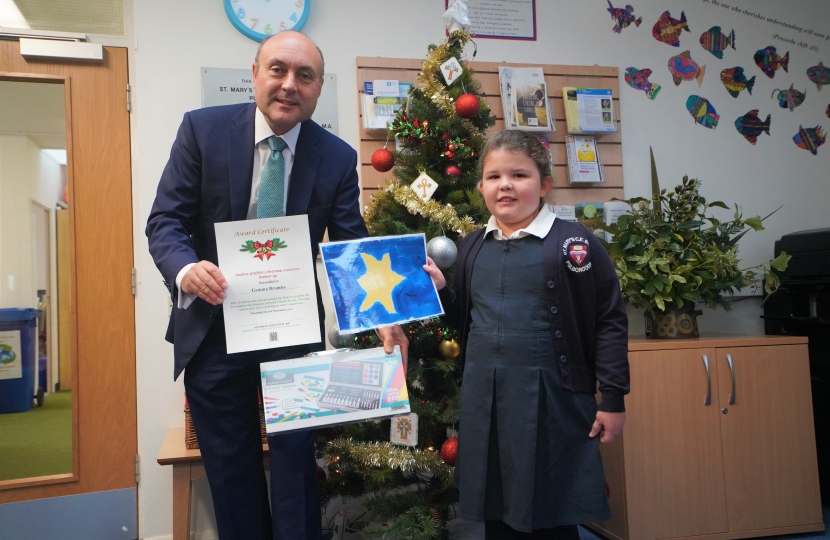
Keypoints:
(449, 69)
(424, 186)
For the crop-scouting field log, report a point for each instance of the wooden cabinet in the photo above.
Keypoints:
(718, 441)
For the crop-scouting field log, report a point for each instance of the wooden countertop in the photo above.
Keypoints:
(642, 343)
(173, 449)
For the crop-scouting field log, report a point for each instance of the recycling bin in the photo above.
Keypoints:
(18, 332)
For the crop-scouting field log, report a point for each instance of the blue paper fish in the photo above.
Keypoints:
(683, 68)
(750, 126)
(735, 81)
(715, 42)
(638, 79)
(623, 17)
(819, 75)
(768, 60)
(668, 30)
(702, 111)
(810, 138)
(790, 98)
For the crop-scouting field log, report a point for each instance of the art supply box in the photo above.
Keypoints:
(330, 388)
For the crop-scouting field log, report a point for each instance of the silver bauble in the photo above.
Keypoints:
(442, 251)
(338, 340)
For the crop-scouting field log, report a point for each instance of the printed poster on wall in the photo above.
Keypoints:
(11, 355)
(502, 19)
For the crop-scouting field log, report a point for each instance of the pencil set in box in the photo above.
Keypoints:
(333, 388)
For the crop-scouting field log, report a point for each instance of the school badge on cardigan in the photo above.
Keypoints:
(575, 250)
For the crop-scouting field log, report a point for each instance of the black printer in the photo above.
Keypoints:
(801, 307)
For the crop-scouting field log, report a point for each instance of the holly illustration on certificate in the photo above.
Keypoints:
(270, 301)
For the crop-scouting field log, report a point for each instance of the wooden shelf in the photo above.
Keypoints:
(487, 73)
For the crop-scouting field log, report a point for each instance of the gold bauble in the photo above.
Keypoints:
(449, 348)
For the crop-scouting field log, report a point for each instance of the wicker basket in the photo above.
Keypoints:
(190, 432)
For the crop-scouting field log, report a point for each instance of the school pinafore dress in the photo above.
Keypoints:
(524, 455)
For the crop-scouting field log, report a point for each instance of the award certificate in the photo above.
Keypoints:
(271, 299)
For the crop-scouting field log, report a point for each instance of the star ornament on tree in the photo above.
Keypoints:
(378, 282)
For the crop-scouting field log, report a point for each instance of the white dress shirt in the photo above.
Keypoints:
(539, 227)
(262, 151)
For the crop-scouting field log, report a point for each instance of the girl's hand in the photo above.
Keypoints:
(608, 424)
(436, 274)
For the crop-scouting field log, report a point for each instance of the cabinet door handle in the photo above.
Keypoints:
(732, 372)
(708, 381)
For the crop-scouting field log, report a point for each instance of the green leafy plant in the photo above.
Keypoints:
(668, 251)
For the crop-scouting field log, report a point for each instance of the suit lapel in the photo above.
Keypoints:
(304, 171)
(241, 162)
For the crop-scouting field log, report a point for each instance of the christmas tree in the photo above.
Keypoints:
(441, 129)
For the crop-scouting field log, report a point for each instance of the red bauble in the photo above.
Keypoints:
(383, 160)
(453, 170)
(321, 474)
(449, 450)
(466, 105)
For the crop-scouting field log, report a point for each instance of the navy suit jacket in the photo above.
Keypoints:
(208, 180)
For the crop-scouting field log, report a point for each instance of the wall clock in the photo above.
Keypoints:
(258, 19)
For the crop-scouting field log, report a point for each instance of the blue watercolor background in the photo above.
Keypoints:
(415, 298)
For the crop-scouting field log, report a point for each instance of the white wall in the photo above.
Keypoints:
(175, 39)
(26, 175)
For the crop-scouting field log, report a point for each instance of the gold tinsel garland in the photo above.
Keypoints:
(428, 77)
(437, 91)
(384, 454)
(445, 215)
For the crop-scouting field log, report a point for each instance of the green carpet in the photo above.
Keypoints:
(37, 442)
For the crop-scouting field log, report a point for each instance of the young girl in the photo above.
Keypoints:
(542, 319)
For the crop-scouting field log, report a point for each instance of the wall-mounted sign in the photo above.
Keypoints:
(502, 19)
(221, 86)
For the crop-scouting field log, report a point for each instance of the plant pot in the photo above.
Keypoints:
(673, 324)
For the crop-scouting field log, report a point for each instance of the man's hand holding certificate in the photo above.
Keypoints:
(270, 299)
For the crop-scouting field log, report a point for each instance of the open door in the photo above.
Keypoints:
(96, 497)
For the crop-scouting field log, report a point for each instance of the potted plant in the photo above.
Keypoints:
(669, 255)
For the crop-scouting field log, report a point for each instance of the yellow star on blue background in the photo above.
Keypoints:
(378, 282)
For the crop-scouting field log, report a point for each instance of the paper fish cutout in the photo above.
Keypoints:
(810, 138)
(702, 111)
(768, 60)
(750, 126)
(819, 75)
(789, 98)
(715, 42)
(668, 30)
(623, 17)
(638, 80)
(735, 81)
(683, 68)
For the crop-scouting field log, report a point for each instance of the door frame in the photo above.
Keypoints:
(74, 475)
(99, 172)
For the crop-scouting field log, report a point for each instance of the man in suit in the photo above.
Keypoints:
(243, 162)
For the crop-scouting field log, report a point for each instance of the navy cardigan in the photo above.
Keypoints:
(588, 322)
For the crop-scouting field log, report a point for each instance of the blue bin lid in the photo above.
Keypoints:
(17, 314)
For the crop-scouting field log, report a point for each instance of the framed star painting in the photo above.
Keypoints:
(379, 281)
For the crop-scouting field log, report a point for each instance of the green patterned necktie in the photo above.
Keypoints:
(271, 196)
